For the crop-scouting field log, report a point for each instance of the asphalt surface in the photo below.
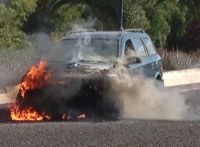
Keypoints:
(112, 133)
(118, 133)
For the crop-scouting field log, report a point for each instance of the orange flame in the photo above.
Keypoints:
(27, 114)
(82, 116)
(37, 77)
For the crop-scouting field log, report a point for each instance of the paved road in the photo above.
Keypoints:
(119, 133)
(116, 133)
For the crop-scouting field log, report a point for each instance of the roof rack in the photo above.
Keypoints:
(134, 30)
(82, 30)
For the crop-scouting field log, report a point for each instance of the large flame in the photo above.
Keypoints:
(27, 114)
(36, 78)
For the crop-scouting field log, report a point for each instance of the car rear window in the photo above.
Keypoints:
(149, 46)
(139, 47)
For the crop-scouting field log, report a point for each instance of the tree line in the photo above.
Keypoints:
(173, 24)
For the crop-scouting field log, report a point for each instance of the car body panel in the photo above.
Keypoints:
(150, 66)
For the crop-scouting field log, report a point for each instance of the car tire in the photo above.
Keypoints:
(159, 83)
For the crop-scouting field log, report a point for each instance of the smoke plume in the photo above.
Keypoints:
(126, 96)
(141, 99)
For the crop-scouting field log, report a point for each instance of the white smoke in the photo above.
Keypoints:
(139, 96)
(142, 100)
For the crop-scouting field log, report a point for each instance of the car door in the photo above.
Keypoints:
(153, 59)
(143, 55)
(130, 52)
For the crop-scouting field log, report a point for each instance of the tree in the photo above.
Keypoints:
(55, 17)
(106, 13)
(23, 8)
(12, 17)
(134, 15)
(179, 21)
(191, 39)
(158, 14)
(168, 21)
(10, 36)
(194, 7)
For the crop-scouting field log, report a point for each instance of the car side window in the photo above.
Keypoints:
(139, 47)
(149, 46)
(129, 49)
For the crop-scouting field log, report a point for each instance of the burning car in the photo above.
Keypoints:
(101, 50)
(78, 85)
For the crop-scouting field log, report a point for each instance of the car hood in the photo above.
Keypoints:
(79, 69)
(91, 65)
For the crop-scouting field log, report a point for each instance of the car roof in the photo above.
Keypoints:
(106, 34)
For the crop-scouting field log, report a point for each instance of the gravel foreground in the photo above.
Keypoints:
(117, 133)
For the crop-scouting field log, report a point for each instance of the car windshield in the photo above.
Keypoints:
(93, 49)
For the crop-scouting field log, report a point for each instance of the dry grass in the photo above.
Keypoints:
(176, 60)
(14, 60)
(14, 63)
